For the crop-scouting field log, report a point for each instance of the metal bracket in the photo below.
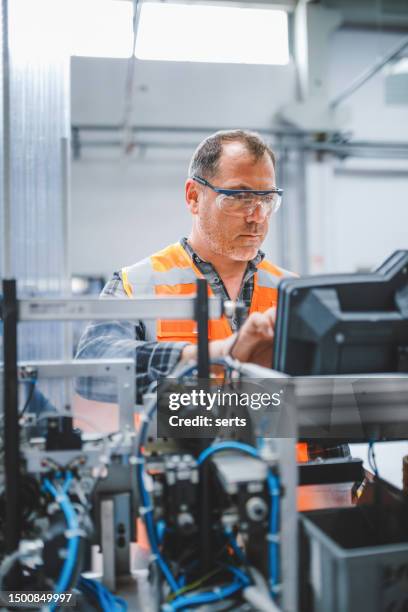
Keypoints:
(121, 369)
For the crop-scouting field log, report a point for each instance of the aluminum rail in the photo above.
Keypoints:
(143, 307)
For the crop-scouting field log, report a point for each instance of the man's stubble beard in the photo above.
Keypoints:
(219, 243)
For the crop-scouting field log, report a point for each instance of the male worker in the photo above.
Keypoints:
(231, 194)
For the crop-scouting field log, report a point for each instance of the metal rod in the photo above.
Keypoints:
(281, 219)
(205, 519)
(66, 237)
(203, 361)
(368, 73)
(87, 127)
(11, 426)
(142, 307)
(303, 145)
(66, 213)
(127, 136)
(302, 209)
(380, 150)
(6, 129)
(108, 543)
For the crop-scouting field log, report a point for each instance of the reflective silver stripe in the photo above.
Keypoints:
(151, 330)
(287, 273)
(175, 276)
(266, 279)
(140, 279)
(142, 275)
(143, 280)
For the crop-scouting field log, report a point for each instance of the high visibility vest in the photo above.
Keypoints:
(172, 272)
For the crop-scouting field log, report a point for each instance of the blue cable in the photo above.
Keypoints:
(246, 581)
(183, 601)
(203, 598)
(91, 587)
(73, 542)
(148, 516)
(273, 545)
(231, 538)
(210, 450)
(107, 601)
(274, 493)
(67, 483)
(161, 530)
(371, 458)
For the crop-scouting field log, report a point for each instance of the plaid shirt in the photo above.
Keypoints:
(211, 275)
(123, 339)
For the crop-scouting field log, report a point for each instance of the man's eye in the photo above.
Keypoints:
(243, 198)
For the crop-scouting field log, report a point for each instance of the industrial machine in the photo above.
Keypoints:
(207, 518)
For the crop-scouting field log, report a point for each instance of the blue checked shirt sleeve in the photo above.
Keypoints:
(120, 340)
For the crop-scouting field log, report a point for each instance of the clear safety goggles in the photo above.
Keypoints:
(243, 202)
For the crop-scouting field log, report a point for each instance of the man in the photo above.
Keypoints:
(231, 194)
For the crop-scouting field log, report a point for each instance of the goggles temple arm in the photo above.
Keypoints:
(232, 192)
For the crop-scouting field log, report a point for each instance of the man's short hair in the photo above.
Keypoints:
(206, 158)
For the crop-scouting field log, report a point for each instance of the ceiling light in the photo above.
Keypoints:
(202, 33)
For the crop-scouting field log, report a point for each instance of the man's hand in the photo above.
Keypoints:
(253, 343)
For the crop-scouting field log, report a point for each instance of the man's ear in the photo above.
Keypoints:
(192, 195)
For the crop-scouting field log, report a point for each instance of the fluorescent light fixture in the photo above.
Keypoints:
(202, 33)
(101, 28)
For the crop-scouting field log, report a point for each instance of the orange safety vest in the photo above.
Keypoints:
(172, 272)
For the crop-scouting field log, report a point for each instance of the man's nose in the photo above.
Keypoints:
(258, 214)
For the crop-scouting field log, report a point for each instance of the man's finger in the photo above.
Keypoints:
(263, 325)
(271, 313)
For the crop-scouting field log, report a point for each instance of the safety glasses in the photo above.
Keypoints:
(243, 202)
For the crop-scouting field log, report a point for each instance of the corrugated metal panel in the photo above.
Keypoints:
(39, 99)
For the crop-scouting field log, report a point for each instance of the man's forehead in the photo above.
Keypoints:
(236, 160)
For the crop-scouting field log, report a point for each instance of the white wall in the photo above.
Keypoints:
(365, 201)
(124, 211)
(137, 205)
(358, 207)
(351, 53)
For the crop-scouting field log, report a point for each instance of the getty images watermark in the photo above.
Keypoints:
(349, 408)
(220, 399)
(206, 410)
(208, 399)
